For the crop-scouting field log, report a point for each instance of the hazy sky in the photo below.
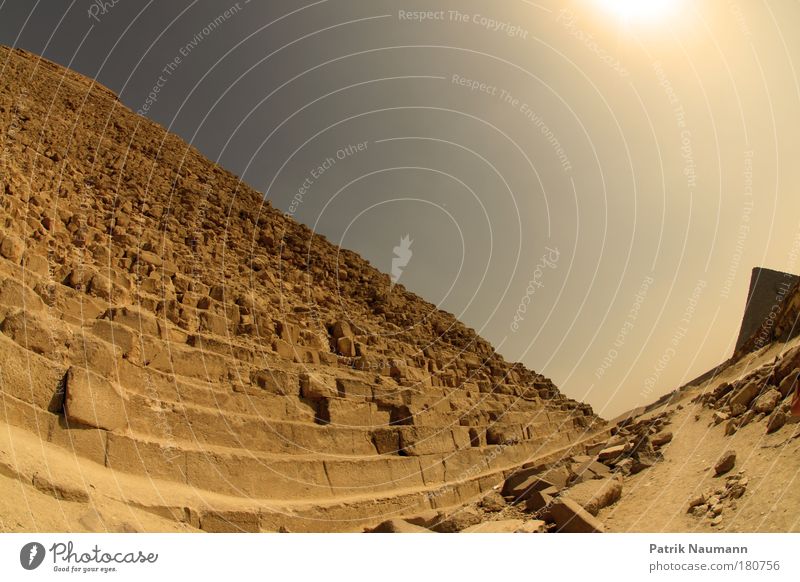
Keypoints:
(586, 186)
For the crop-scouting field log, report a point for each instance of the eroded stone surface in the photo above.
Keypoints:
(175, 326)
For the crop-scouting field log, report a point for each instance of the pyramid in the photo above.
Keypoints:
(171, 341)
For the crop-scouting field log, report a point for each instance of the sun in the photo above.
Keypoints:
(641, 11)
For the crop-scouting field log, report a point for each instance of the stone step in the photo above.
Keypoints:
(188, 425)
(207, 426)
(283, 477)
(159, 417)
(183, 362)
(229, 397)
(251, 474)
(275, 393)
(218, 512)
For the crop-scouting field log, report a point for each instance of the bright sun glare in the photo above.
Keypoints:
(639, 11)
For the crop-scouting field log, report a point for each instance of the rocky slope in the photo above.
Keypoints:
(177, 354)
(720, 454)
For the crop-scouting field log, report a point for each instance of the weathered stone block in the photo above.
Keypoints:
(350, 388)
(316, 387)
(94, 401)
(276, 382)
(595, 495)
(338, 411)
(418, 441)
(570, 517)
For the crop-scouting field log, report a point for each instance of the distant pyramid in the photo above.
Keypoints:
(770, 299)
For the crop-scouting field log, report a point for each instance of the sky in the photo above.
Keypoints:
(586, 183)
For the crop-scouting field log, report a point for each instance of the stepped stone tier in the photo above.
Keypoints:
(208, 359)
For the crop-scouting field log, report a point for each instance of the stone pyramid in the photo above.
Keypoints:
(206, 358)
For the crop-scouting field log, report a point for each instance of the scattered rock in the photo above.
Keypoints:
(612, 453)
(641, 446)
(696, 502)
(747, 418)
(458, 521)
(625, 466)
(788, 384)
(538, 500)
(425, 519)
(745, 395)
(519, 486)
(767, 402)
(643, 462)
(595, 495)
(725, 463)
(776, 422)
(719, 417)
(570, 517)
(493, 501)
(737, 490)
(589, 469)
(713, 503)
(737, 410)
(661, 439)
(558, 476)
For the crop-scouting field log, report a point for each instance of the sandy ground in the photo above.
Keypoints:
(656, 499)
